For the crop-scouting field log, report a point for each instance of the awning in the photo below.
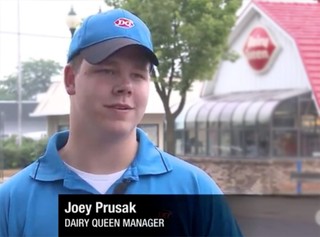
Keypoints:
(238, 107)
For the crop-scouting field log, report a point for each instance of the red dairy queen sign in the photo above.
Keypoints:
(259, 49)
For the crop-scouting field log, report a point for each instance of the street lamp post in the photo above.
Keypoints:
(72, 21)
(19, 79)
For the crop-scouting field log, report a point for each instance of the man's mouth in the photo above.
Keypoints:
(119, 106)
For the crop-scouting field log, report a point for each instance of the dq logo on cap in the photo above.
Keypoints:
(124, 23)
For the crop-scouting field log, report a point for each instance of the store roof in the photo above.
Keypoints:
(301, 22)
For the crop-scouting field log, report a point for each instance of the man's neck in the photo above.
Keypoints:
(99, 156)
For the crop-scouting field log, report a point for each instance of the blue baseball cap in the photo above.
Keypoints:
(101, 35)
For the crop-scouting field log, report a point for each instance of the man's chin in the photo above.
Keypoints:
(118, 129)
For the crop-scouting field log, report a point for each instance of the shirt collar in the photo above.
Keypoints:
(149, 160)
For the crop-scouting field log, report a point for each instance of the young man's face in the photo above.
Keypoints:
(112, 96)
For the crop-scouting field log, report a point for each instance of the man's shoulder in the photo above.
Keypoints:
(19, 182)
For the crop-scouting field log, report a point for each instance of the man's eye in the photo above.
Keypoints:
(138, 76)
(107, 71)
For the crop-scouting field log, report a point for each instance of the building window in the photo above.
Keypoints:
(179, 135)
(238, 141)
(152, 130)
(202, 138)
(285, 143)
(250, 142)
(264, 141)
(310, 129)
(225, 143)
(213, 139)
(190, 138)
(285, 129)
(285, 115)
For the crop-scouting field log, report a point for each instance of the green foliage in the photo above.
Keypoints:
(19, 157)
(35, 77)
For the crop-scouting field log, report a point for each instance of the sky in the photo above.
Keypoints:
(43, 29)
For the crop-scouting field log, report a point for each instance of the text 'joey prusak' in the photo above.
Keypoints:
(100, 207)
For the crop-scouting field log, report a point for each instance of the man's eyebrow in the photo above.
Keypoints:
(142, 64)
(107, 63)
(139, 64)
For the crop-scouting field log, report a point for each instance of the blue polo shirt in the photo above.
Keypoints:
(29, 199)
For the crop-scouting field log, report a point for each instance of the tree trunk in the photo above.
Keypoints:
(169, 136)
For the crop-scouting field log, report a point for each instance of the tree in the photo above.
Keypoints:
(35, 77)
(190, 38)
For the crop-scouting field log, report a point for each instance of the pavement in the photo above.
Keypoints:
(277, 215)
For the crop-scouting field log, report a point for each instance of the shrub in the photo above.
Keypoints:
(19, 157)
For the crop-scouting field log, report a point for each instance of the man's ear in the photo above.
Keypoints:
(69, 80)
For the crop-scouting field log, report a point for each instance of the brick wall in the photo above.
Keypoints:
(259, 176)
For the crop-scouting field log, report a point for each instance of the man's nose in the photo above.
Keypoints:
(123, 86)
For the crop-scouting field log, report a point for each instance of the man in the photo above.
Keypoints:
(107, 77)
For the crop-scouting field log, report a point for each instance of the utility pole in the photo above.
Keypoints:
(19, 82)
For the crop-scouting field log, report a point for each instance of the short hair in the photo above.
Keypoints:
(75, 63)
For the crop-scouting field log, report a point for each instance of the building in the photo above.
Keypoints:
(30, 126)
(265, 104)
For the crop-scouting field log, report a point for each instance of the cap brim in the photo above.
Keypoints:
(98, 52)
